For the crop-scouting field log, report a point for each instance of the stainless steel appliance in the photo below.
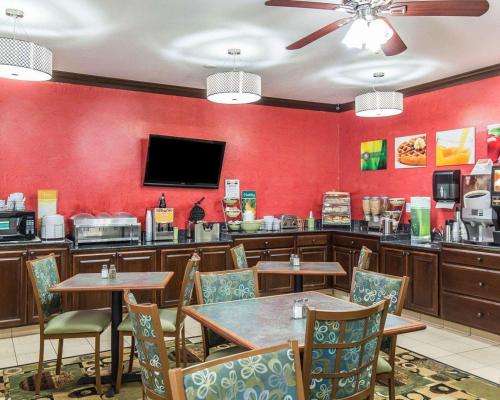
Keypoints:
(52, 228)
(163, 224)
(206, 232)
(288, 221)
(104, 228)
(17, 226)
(480, 218)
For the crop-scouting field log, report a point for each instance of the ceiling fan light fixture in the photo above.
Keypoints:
(355, 36)
(368, 34)
(379, 104)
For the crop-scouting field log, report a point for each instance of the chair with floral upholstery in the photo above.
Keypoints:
(55, 324)
(270, 373)
(151, 349)
(341, 351)
(172, 322)
(215, 287)
(364, 258)
(367, 289)
(239, 257)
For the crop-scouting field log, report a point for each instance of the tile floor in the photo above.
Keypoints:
(476, 355)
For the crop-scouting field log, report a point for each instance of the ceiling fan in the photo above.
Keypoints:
(374, 31)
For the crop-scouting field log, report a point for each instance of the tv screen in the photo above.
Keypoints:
(174, 161)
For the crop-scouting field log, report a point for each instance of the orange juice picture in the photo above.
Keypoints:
(455, 147)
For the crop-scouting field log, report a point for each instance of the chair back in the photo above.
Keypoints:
(369, 288)
(187, 288)
(150, 345)
(271, 373)
(364, 258)
(216, 287)
(44, 274)
(239, 257)
(341, 352)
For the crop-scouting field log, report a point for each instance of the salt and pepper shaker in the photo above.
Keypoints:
(112, 271)
(104, 271)
(304, 307)
(297, 309)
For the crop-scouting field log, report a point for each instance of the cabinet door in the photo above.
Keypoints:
(344, 256)
(274, 284)
(13, 279)
(314, 254)
(91, 262)
(374, 266)
(214, 258)
(394, 262)
(254, 256)
(174, 260)
(138, 261)
(423, 290)
(61, 255)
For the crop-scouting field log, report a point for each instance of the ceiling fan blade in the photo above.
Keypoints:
(319, 33)
(453, 8)
(395, 44)
(302, 4)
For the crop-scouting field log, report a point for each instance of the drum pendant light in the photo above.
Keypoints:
(378, 104)
(234, 87)
(21, 59)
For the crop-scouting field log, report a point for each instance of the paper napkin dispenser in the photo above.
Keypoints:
(446, 186)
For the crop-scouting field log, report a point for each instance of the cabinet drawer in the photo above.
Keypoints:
(312, 240)
(275, 242)
(474, 258)
(476, 282)
(480, 314)
(355, 241)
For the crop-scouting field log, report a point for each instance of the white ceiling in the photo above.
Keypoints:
(180, 42)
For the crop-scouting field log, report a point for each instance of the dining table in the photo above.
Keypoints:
(305, 268)
(267, 321)
(92, 282)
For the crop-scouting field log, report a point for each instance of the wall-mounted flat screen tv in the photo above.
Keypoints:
(183, 162)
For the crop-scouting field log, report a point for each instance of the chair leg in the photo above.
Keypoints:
(38, 379)
(98, 364)
(120, 363)
(59, 355)
(184, 349)
(177, 349)
(131, 358)
(392, 387)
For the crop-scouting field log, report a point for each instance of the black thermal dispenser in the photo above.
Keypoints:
(446, 186)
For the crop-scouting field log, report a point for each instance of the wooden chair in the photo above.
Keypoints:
(341, 351)
(364, 258)
(272, 373)
(215, 287)
(151, 349)
(239, 257)
(367, 289)
(55, 324)
(172, 322)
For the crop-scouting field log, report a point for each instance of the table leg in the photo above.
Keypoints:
(298, 285)
(116, 319)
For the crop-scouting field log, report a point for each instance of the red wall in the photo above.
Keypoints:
(476, 104)
(89, 144)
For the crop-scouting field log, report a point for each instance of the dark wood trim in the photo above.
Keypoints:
(158, 88)
(460, 79)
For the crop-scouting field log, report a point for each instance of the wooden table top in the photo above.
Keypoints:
(92, 282)
(266, 321)
(305, 268)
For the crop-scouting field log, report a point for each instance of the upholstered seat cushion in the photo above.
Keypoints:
(228, 351)
(383, 367)
(81, 321)
(167, 319)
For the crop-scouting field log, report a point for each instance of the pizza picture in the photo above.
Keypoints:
(411, 151)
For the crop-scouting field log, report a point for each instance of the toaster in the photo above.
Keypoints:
(288, 221)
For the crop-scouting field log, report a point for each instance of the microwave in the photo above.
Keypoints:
(17, 225)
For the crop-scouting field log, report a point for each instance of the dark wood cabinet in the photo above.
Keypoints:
(91, 262)
(174, 260)
(13, 284)
(138, 261)
(423, 270)
(214, 258)
(344, 256)
(61, 255)
(314, 254)
(277, 283)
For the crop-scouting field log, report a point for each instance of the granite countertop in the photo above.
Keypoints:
(428, 246)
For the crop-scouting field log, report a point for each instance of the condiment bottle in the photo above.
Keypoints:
(112, 271)
(296, 261)
(310, 221)
(297, 309)
(162, 203)
(104, 271)
(304, 307)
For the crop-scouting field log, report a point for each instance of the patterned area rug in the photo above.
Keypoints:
(418, 378)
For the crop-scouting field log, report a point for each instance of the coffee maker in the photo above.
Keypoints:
(479, 216)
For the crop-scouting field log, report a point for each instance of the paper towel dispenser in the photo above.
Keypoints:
(446, 186)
